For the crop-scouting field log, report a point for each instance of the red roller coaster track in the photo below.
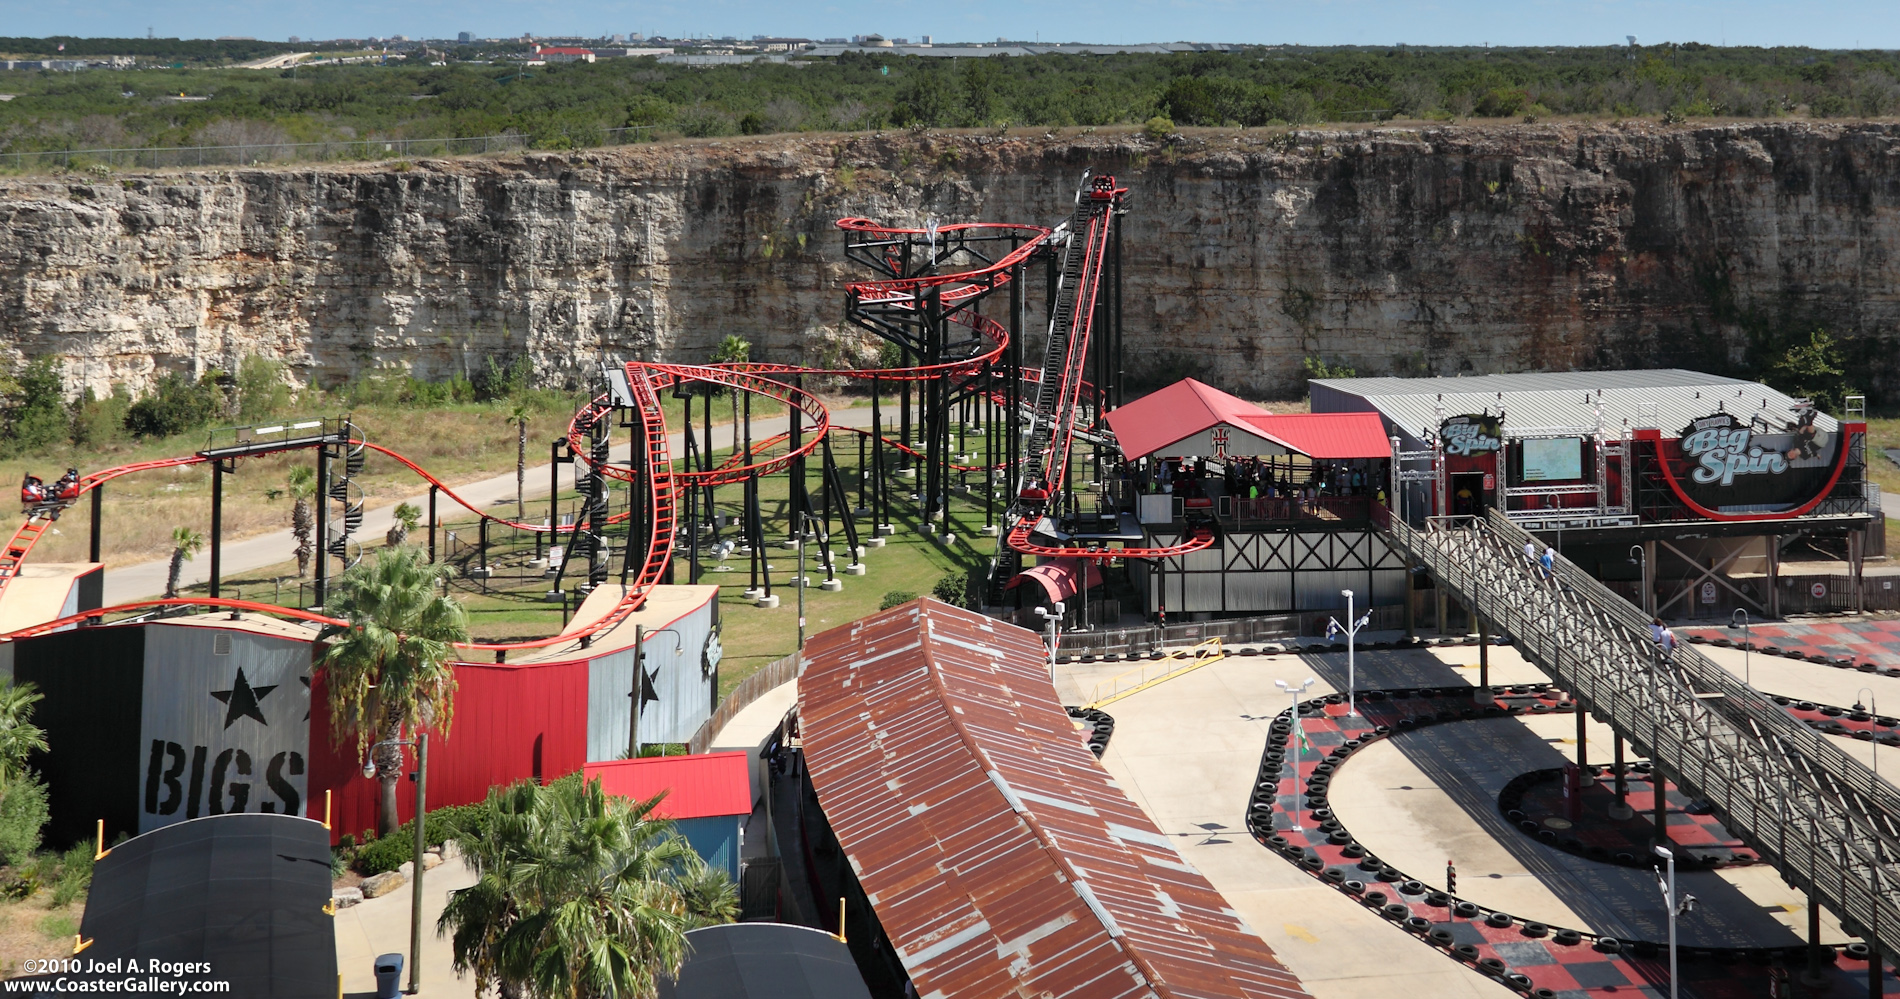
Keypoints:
(1061, 377)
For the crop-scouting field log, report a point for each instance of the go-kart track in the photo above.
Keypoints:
(924, 300)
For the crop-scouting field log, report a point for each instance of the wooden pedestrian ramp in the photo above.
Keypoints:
(1154, 672)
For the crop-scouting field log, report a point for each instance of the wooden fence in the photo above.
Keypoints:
(750, 689)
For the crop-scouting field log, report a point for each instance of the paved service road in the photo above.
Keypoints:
(147, 579)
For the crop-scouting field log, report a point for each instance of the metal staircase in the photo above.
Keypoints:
(348, 493)
(1825, 821)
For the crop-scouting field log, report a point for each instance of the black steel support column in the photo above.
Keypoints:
(1661, 808)
(1583, 739)
(217, 523)
(433, 489)
(98, 513)
(1484, 655)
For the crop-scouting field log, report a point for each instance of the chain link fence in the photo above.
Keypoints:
(352, 150)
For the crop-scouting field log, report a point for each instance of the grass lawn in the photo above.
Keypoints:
(510, 603)
(457, 442)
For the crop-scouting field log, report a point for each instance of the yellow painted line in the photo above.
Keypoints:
(1300, 933)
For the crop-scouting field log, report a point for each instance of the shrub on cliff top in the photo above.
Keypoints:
(1158, 128)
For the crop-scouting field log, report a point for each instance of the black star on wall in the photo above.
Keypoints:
(242, 698)
(647, 693)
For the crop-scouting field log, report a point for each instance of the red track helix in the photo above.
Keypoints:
(647, 380)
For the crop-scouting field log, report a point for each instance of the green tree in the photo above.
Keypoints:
(388, 667)
(406, 518)
(577, 895)
(19, 737)
(38, 418)
(262, 391)
(185, 544)
(301, 483)
(177, 404)
(1816, 370)
(733, 350)
(519, 417)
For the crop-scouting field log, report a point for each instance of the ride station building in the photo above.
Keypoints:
(1293, 499)
(1681, 490)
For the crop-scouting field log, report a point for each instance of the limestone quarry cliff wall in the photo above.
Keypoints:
(1395, 250)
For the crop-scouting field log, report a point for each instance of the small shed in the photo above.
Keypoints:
(708, 798)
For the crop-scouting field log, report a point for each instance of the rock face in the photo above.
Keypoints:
(1404, 251)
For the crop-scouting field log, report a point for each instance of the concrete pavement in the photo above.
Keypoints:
(1187, 752)
(381, 926)
(147, 579)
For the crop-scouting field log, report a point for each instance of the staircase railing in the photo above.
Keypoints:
(1772, 789)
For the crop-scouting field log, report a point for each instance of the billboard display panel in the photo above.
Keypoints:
(1552, 459)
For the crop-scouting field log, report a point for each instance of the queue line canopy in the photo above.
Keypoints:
(1192, 418)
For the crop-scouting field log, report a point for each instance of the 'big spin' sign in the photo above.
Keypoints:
(1720, 446)
(1471, 434)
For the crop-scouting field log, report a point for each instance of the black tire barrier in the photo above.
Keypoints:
(1323, 814)
(1354, 886)
(1395, 910)
(1609, 945)
(1313, 862)
(1371, 863)
(1352, 851)
(1501, 920)
(1533, 930)
(1438, 900)
(1466, 952)
(1466, 910)
(1518, 981)
(1544, 994)
(1376, 899)
(1339, 837)
(1566, 938)
(1417, 924)
(1334, 874)
(1858, 951)
(1442, 937)
(1491, 966)
(1830, 711)
(1277, 841)
(1411, 888)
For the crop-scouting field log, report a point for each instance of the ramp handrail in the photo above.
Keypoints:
(1798, 820)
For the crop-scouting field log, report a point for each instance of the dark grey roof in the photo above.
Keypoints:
(765, 961)
(1558, 400)
(243, 892)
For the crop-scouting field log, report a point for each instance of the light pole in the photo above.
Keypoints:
(1675, 908)
(803, 525)
(1748, 675)
(421, 742)
(1873, 710)
(1294, 739)
(1642, 577)
(1333, 627)
(1055, 632)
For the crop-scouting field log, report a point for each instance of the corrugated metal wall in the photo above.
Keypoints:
(511, 723)
(92, 681)
(224, 725)
(716, 840)
(676, 666)
(1277, 572)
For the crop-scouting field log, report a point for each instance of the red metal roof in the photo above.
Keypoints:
(1327, 435)
(1000, 856)
(1183, 418)
(697, 786)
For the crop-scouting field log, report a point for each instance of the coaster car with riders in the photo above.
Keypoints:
(40, 500)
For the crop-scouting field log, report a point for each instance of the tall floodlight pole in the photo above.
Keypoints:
(1874, 710)
(1687, 904)
(1740, 615)
(1294, 738)
(1055, 633)
(1333, 627)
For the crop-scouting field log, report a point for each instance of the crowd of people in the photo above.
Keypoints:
(1258, 478)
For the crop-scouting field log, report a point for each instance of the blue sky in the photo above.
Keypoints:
(1318, 22)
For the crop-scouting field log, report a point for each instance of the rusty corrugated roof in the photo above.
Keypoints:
(1001, 858)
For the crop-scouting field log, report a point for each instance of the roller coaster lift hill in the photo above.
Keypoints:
(957, 366)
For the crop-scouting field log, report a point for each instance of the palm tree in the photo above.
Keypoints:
(19, 737)
(185, 543)
(519, 417)
(407, 517)
(733, 350)
(389, 666)
(578, 895)
(301, 482)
